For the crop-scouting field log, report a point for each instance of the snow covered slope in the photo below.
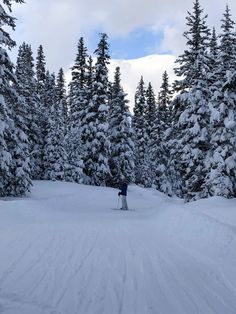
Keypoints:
(64, 251)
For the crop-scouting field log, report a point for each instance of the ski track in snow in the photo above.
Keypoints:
(64, 251)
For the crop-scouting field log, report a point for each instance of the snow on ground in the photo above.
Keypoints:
(64, 251)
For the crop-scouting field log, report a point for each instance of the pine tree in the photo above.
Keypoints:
(213, 60)
(77, 90)
(194, 140)
(87, 131)
(50, 91)
(197, 42)
(164, 125)
(40, 71)
(60, 90)
(228, 42)
(56, 160)
(150, 111)
(152, 136)
(14, 166)
(164, 99)
(222, 158)
(19, 148)
(174, 169)
(43, 109)
(142, 162)
(193, 135)
(213, 46)
(27, 88)
(77, 107)
(99, 149)
(121, 136)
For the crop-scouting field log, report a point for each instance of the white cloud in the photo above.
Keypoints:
(150, 67)
(57, 24)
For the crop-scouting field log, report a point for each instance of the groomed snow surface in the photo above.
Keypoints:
(64, 250)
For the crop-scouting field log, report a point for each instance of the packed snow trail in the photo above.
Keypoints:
(64, 251)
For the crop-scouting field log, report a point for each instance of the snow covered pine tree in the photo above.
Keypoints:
(192, 134)
(14, 162)
(121, 135)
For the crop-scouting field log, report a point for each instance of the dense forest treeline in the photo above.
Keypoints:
(182, 141)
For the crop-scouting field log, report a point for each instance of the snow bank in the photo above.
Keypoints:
(64, 250)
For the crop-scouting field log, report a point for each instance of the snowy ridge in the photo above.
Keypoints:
(64, 251)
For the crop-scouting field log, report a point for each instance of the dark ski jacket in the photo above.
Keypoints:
(123, 189)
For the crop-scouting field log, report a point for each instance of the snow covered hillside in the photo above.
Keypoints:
(64, 250)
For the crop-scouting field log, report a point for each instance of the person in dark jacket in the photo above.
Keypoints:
(123, 193)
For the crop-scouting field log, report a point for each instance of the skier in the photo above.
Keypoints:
(123, 193)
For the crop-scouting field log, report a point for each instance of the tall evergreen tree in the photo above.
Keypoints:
(121, 136)
(150, 110)
(50, 91)
(164, 125)
(213, 45)
(193, 135)
(44, 110)
(77, 111)
(14, 167)
(194, 141)
(164, 99)
(97, 166)
(228, 41)
(61, 96)
(222, 158)
(40, 70)
(174, 169)
(56, 161)
(213, 61)
(27, 88)
(152, 136)
(141, 136)
(19, 148)
(197, 42)
(77, 90)
(87, 129)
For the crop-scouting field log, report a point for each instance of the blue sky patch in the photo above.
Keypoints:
(138, 43)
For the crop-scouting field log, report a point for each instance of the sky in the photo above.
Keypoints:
(145, 36)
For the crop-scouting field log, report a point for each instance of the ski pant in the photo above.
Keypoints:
(124, 203)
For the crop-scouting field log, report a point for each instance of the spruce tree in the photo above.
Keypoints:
(121, 135)
(50, 91)
(87, 131)
(164, 125)
(19, 148)
(193, 133)
(14, 166)
(77, 90)
(228, 41)
(197, 42)
(194, 141)
(77, 111)
(60, 90)
(222, 158)
(40, 70)
(152, 136)
(99, 148)
(26, 87)
(174, 170)
(56, 161)
(140, 126)
(213, 46)
(164, 99)
(150, 111)
(43, 110)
